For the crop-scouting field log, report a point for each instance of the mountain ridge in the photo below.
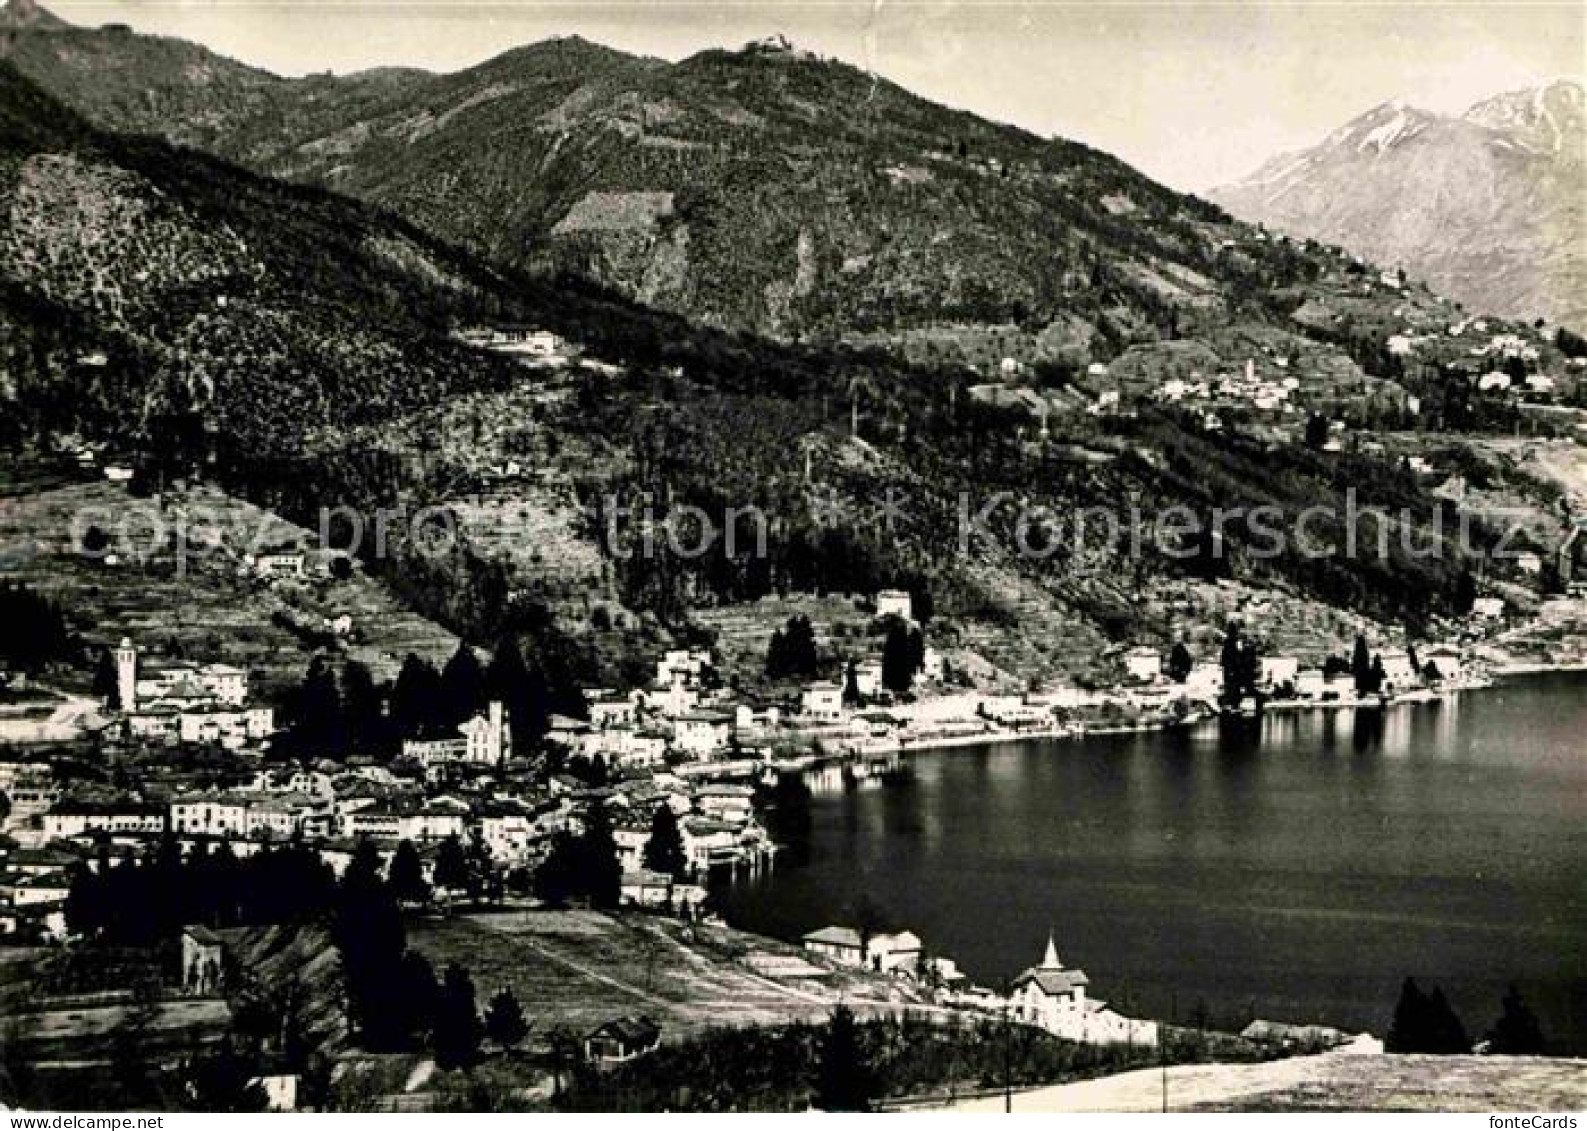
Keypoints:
(761, 189)
(1485, 204)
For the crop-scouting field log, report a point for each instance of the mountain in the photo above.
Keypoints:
(762, 189)
(1488, 206)
(301, 343)
(27, 14)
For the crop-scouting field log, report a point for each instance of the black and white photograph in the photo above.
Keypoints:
(792, 556)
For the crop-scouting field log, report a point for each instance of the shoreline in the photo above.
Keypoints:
(906, 746)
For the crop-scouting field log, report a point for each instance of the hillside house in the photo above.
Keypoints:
(621, 1040)
(822, 701)
(702, 734)
(279, 563)
(1488, 608)
(895, 603)
(1279, 670)
(531, 341)
(868, 677)
(840, 944)
(1144, 665)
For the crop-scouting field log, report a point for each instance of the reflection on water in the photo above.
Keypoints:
(1298, 866)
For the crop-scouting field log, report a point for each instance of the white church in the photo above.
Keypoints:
(1054, 998)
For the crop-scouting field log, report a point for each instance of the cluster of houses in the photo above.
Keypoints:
(507, 820)
(1283, 677)
(1243, 389)
(187, 702)
(1049, 995)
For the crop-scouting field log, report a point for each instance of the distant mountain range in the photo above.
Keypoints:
(159, 298)
(760, 189)
(1488, 207)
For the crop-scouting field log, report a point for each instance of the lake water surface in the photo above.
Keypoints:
(1295, 868)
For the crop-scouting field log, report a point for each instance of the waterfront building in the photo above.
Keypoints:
(1055, 998)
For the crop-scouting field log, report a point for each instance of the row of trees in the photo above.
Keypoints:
(395, 1002)
(343, 709)
(144, 901)
(1425, 1022)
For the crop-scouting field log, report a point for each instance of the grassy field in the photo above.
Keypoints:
(579, 968)
(1330, 1082)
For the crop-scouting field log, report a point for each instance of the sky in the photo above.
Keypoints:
(1193, 94)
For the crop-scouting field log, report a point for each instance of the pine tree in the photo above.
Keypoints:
(1408, 1032)
(361, 708)
(1516, 1032)
(419, 997)
(600, 874)
(845, 1081)
(504, 1020)
(898, 658)
(457, 1027)
(1180, 662)
(451, 866)
(1446, 1032)
(522, 691)
(1361, 666)
(664, 851)
(406, 875)
(416, 698)
(462, 686)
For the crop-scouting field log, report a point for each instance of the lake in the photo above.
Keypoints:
(1296, 867)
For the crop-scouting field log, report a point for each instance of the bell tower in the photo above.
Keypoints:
(126, 657)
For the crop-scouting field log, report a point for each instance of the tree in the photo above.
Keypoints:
(1408, 1030)
(462, 693)
(220, 1081)
(1425, 1023)
(317, 710)
(524, 693)
(406, 875)
(367, 928)
(600, 874)
(1241, 664)
(792, 652)
(902, 653)
(851, 684)
(1316, 431)
(664, 851)
(361, 708)
(416, 698)
(457, 1027)
(106, 686)
(1361, 666)
(451, 866)
(1447, 1033)
(1516, 1032)
(420, 996)
(845, 1082)
(504, 1020)
(1180, 662)
(556, 880)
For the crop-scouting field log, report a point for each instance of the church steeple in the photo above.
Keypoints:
(1050, 959)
